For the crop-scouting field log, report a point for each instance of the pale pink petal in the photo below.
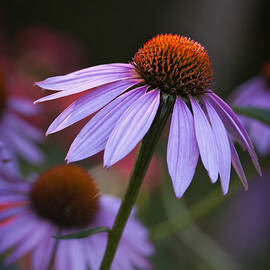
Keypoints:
(182, 150)
(131, 127)
(222, 141)
(237, 166)
(88, 104)
(94, 135)
(206, 141)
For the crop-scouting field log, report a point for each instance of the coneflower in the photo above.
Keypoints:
(127, 98)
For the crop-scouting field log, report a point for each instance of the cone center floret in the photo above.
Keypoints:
(65, 195)
(175, 65)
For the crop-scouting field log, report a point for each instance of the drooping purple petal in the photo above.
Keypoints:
(88, 104)
(131, 127)
(237, 166)
(206, 141)
(223, 145)
(94, 135)
(85, 79)
(234, 126)
(182, 150)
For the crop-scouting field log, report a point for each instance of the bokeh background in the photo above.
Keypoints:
(204, 230)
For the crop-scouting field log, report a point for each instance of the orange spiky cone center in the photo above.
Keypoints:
(175, 65)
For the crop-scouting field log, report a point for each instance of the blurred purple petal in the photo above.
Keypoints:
(94, 135)
(131, 127)
(182, 150)
(43, 252)
(15, 236)
(23, 106)
(249, 90)
(206, 141)
(28, 244)
(24, 147)
(23, 127)
(62, 260)
(88, 104)
(223, 145)
(260, 133)
(77, 259)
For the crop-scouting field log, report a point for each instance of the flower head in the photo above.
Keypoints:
(65, 198)
(72, 194)
(127, 97)
(256, 93)
(175, 65)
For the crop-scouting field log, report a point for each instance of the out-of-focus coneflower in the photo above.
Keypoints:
(16, 135)
(256, 93)
(168, 69)
(65, 199)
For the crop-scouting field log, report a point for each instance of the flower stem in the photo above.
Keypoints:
(140, 167)
(55, 246)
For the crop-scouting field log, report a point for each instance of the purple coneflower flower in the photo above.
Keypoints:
(64, 199)
(16, 135)
(126, 98)
(256, 93)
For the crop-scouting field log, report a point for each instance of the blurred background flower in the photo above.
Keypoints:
(256, 93)
(62, 200)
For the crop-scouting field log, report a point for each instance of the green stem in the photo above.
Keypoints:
(142, 162)
(55, 246)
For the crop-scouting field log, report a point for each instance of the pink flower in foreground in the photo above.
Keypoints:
(65, 199)
(126, 98)
(256, 93)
